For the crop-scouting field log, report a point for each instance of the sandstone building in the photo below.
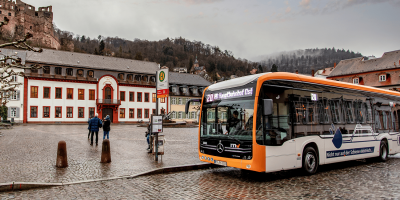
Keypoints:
(25, 18)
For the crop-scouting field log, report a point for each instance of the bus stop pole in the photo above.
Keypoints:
(156, 136)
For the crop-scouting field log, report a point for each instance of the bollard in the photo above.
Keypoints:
(105, 152)
(62, 155)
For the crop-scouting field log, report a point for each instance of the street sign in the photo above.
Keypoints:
(162, 83)
(156, 123)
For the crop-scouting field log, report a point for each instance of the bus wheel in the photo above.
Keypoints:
(383, 151)
(310, 161)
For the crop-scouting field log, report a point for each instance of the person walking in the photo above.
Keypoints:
(88, 136)
(94, 124)
(106, 127)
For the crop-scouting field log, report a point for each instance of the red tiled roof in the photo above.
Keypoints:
(389, 60)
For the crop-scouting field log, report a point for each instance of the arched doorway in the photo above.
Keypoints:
(107, 111)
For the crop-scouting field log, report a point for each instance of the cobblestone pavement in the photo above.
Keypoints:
(28, 152)
(350, 180)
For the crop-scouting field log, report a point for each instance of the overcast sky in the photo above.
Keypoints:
(248, 28)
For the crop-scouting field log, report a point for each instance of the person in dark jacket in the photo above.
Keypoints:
(94, 124)
(106, 127)
(88, 136)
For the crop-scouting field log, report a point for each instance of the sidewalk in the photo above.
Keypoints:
(28, 153)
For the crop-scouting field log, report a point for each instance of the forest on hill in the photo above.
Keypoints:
(180, 52)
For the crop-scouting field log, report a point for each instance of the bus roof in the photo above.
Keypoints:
(237, 82)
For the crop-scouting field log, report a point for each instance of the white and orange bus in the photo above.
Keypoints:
(280, 121)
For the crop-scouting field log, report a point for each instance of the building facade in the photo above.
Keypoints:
(381, 72)
(71, 87)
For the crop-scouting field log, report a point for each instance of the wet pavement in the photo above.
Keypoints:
(28, 152)
(349, 180)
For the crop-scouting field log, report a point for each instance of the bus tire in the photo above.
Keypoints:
(310, 161)
(383, 151)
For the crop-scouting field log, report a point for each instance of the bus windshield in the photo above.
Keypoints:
(228, 120)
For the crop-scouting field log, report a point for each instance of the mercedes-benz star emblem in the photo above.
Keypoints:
(220, 147)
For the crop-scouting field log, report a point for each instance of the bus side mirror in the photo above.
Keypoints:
(188, 104)
(268, 107)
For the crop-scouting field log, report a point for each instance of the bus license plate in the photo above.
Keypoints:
(217, 162)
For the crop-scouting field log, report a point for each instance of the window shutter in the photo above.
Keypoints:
(8, 113)
(17, 115)
(188, 115)
(18, 94)
(183, 115)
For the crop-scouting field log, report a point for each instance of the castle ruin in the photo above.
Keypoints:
(25, 18)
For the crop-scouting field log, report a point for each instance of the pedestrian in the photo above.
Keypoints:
(88, 136)
(106, 127)
(148, 135)
(94, 124)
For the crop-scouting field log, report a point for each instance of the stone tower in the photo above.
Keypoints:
(25, 18)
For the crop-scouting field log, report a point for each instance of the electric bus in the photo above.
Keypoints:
(279, 121)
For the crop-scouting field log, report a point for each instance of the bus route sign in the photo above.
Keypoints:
(162, 83)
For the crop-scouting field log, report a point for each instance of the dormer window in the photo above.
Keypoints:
(80, 72)
(382, 78)
(356, 81)
(58, 70)
(36, 14)
(174, 89)
(70, 72)
(90, 74)
(121, 76)
(137, 78)
(129, 77)
(46, 70)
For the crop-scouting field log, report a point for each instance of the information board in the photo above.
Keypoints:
(156, 123)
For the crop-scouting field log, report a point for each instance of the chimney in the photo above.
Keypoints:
(297, 71)
(312, 73)
(334, 66)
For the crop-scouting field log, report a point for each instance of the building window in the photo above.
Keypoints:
(180, 115)
(173, 115)
(91, 112)
(13, 95)
(122, 95)
(139, 113)
(80, 72)
(154, 97)
(162, 100)
(46, 111)
(154, 111)
(46, 93)
(91, 94)
(146, 113)
(173, 89)
(356, 81)
(139, 97)
(132, 96)
(81, 94)
(58, 93)
(173, 100)
(122, 113)
(58, 113)
(90, 74)
(46, 70)
(180, 101)
(70, 112)
(34, 70)
(131, 113)
(382, 78)
(34, 110)
(70, 93)
(34, 91)
(121, 76)
(58, 70)
(81, 112)
(70, 72)
(146, 97)
(14, 78)
(13, 112)
(9, 14)
(194, 115)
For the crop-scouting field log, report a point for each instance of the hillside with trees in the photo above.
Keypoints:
(180, 52)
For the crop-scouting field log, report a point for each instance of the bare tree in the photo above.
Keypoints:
(9, 63)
